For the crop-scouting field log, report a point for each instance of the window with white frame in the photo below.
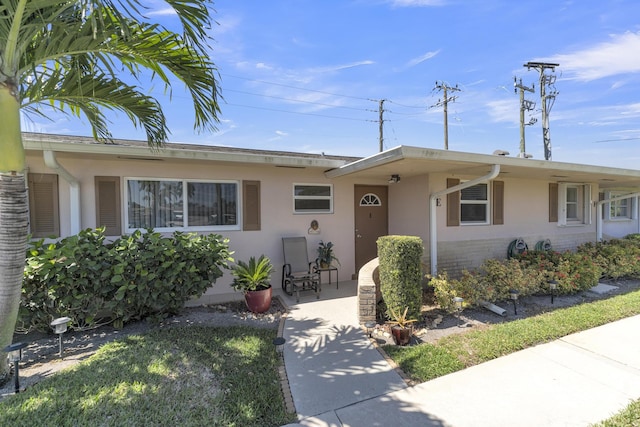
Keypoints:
(160, 204)
(474, 204)
(620, 209)
(574, 204)
(312, 198)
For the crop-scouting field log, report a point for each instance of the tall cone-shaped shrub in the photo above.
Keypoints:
(401, 274)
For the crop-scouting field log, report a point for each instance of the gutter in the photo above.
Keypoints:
(74, 189)
(599, 205)
(433, 233)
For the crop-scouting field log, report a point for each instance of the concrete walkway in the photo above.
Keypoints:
(338, 378)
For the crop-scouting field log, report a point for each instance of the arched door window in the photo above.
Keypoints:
(370, 199)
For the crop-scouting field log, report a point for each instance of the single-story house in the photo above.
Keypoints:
(466, 207)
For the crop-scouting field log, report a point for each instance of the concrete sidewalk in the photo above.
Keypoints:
(338, 378)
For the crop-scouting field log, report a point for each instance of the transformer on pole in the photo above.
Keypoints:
(444, 102)
(525, 105)
(546, 98)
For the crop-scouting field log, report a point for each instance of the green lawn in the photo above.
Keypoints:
(186, 376)
(628, 417)
(453, 353)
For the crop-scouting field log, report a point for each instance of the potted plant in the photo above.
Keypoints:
(401, 327)
(253, 278)
(326, 256)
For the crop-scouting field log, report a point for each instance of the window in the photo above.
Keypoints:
(574, 204)
(478, 204)
(312, 198)
(44, 217)
(474, 204)
(160, 204)
(620, 209)
(370, 199)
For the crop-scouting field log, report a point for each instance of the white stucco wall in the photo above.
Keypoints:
(278, 219)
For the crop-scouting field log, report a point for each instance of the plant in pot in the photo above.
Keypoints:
(326, 256)
(253, 278)
(401, 327)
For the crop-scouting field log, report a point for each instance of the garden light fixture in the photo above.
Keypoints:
(279, 343)
(553, 285)
(15, 354)
(457, 301)
(513, 293)
(60, 327)
(369, 326)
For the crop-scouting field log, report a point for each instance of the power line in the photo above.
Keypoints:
(299, 88)
(301, 113)
(298, 100)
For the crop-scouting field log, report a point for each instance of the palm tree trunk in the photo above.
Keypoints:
(14, 217)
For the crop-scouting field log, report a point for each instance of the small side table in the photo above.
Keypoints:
(329, 270)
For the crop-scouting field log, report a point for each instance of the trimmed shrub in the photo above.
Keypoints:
(143, 275)
(617, 258)
(401, 274)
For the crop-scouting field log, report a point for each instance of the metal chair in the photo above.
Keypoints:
(298, 273)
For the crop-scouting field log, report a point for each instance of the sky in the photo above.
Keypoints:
(308, 76)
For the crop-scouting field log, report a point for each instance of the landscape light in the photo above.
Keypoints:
(369, 326)
(458, 303)
(15, 354)
(279, 343)
(513, 293)
(60, 327)
(553, 285)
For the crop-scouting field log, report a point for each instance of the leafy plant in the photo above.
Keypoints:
(137, 276)
(326, 257)
(252, 276)
(400, 320)
(400, 273)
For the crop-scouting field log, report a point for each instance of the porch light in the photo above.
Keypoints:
(513, 294)
(553, 285)
(279, 343)
(15, 354)
(60, 327)
(395, 178)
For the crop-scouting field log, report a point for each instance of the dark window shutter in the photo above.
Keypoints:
(251, 205)
(44, 215)
(498, 202)
(553, 202)
(453, 204)
(108, 209)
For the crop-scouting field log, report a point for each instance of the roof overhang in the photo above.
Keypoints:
(75, 146)
(409, 161)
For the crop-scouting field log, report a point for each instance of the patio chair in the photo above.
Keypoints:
(298, 273)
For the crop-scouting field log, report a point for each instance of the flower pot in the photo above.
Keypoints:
(402, 336)
(258, 301)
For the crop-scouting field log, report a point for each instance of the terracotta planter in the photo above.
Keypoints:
(402, 336)
(258, 301)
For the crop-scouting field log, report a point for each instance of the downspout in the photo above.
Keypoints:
(433, 234)
(74, 189)
(599, 205)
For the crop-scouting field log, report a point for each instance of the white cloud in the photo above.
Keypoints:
(611, 58)
(420, 59)
(334, 68)
(162, 12)
(281, 133)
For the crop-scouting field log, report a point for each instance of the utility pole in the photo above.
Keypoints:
(525, 105)
(442, 86)
(380, 124)
(546, 99)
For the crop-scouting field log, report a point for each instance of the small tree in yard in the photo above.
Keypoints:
(400, 272)
(67, 54)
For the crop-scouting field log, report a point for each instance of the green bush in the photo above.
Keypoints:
(137, 276)
(617, 258)
(401, 274)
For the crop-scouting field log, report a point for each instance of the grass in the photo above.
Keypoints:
(628, 417)
(453, 353)
(187, 376)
